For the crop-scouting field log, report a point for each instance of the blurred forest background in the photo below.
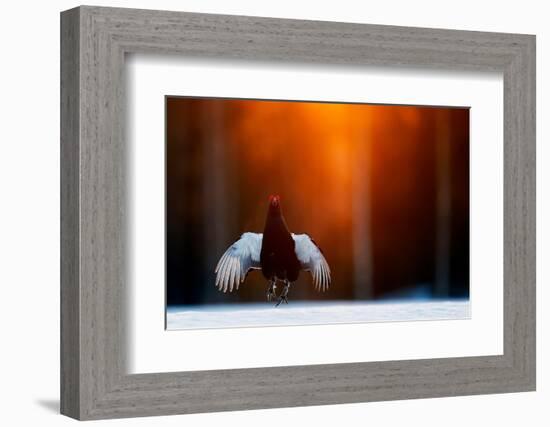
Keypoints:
(383, 190)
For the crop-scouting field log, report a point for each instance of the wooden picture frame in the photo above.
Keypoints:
(94, 382)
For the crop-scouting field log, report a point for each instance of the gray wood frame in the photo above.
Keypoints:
(94, 41)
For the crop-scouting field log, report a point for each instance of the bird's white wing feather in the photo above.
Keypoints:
(311, 258)
(238, 259)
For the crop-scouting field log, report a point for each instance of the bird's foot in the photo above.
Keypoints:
(283, 296)
(271, 295)
(281, 299)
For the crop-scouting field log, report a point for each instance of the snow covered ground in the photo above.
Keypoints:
(312, 313)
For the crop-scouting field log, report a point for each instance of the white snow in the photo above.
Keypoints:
(312, 313)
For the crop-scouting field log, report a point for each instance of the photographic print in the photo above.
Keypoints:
(283, 213)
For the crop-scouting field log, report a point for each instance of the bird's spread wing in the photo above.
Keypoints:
(237, 260)
(311, 258)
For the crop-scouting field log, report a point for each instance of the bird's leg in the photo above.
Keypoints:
(271, 295)
(284, 293)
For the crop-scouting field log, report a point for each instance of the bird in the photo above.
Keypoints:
(277, 252)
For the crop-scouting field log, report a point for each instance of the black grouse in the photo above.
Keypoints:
(279, 253)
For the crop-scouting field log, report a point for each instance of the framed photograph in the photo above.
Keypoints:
(262, 213)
